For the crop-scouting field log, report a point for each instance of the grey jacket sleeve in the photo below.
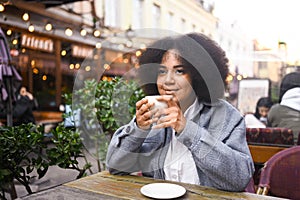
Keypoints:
(220, 151)
(123, 151)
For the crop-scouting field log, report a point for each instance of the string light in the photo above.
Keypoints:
(106, 66)
(48, 27)
(31, 28)
(2, 8)
(63, 53)
(88, 68)
(25, 17)
(98, 45)
(138, 53)
(35, 70)
(68, 31)
(97, 33)
(15, 41)
(83, 32)
(9, 32)
(71, 66)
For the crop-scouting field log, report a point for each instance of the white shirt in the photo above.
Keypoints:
(179, 164)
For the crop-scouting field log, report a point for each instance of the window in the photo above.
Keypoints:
(156, 16)
(183, 25)
(170, 20)
(137, 15)
(194, 28)
(112, 13)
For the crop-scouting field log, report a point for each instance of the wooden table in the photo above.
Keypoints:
(105, 186)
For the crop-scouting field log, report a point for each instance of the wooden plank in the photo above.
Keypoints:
(261, 153)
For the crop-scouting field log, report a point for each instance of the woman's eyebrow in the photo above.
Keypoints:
(179, 66)
(175, 66)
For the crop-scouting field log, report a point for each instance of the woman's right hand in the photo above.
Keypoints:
(144, 114)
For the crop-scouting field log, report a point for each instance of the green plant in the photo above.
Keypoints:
(23, 151)
(104, 106)
(67, 149)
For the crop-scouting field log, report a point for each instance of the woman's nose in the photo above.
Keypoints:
(169, 78)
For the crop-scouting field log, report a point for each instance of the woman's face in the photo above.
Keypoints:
(263, 111)
(23, 91)
(174, 80)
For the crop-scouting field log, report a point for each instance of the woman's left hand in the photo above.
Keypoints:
(171, 116)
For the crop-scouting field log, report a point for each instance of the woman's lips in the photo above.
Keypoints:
(170, 92)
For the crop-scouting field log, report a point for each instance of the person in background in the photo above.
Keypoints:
(259, 118)
(262, 109)
(199, 138)
(287, 112)
(23, 107)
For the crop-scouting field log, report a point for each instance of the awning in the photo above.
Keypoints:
(52, 3)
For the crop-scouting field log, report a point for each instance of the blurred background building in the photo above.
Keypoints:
(51, 40)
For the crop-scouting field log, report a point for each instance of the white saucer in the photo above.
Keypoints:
(163, 190)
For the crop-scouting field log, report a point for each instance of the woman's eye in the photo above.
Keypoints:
(180, 71)
(162, 71)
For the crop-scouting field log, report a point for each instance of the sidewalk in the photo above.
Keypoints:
(56, 176)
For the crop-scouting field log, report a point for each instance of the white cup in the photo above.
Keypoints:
(157, 104)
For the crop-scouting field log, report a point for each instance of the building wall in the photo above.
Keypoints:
(140, 14)
(238, 48)
(268, 64)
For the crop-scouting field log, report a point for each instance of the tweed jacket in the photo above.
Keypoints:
(215, 137)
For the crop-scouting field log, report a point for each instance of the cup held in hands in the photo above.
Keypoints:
(157, 104)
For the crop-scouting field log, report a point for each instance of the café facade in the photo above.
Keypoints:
(51, 61)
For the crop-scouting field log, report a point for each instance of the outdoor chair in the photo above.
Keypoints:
(270, 136)
(250, 187)
(280, 176)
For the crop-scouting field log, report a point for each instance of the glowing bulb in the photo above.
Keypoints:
(35, 70)
(71, 66)
(2, 8)
(32, 63)
(15, 41)
(106, 66)
(88, 68)
(97, 33)
(239, 77)
(31, 28)
(8, 32)
(25, 17)
(68, 32)
(48, 27)
(83, 32)
(138, 53)
(98, 45)
(63, 53)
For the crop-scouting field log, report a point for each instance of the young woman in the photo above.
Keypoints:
(263, 106)
(199, 138)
